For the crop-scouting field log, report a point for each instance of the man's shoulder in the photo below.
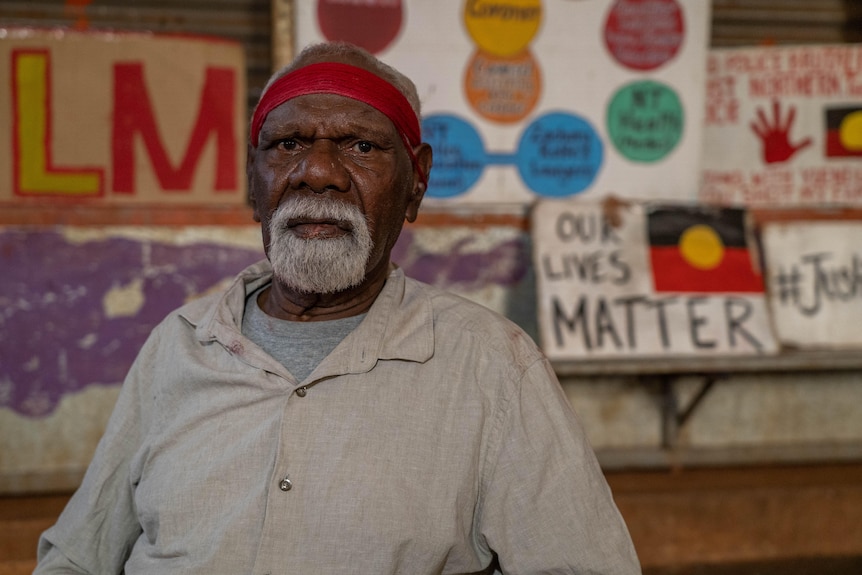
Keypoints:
(229, 294)
(456, 316)
(199, 304)
(446, 302)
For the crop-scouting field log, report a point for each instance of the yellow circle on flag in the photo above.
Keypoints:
(502, 27)
(850, 132)
(701, 247)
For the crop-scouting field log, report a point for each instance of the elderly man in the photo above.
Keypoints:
(326, 414)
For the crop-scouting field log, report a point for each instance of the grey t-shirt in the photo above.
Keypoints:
(298, 345)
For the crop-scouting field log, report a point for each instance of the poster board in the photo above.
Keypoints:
(120, 118)
(526, 99)
(783, 126)
(621, 280)
(815, 283)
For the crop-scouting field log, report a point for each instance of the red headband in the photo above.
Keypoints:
(348, 81)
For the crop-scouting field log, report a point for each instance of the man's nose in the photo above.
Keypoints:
(321, 169)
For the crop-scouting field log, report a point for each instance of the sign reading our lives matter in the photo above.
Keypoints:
(121, 117)
(783, 126)
(619, 280)
(524, 99)
(815, 287)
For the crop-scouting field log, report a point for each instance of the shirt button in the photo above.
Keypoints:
(302, 391)
(285, 484)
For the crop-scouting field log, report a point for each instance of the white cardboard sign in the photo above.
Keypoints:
(815, 282)
(602, 292)
(783, 126)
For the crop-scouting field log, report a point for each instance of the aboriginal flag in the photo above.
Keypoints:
(700, 250)
(844, 131)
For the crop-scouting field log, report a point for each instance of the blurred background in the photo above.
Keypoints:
(729, 452)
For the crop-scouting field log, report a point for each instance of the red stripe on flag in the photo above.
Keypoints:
(735, 274)
(835, 147)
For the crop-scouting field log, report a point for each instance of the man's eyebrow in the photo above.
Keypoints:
(379, 136)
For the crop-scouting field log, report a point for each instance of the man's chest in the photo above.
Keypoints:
(370, 463)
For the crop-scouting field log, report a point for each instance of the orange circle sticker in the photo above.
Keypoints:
(502, 27)
(502, 89)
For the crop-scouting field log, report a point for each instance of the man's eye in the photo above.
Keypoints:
(363, 147)
(288, 144)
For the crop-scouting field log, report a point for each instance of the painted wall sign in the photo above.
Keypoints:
(783, 126)
(646, 280)
(116, 117)
(527, 99)
(815, 282)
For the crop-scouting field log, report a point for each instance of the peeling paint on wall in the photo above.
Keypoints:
(74, 313)
(490, 266)
(463, 257)
(76, 304)
(124, 300)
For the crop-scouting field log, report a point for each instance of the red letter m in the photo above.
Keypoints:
(133, 114)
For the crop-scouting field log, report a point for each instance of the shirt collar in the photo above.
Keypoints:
(399, 324)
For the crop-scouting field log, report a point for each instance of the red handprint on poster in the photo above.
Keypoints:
(775, 134)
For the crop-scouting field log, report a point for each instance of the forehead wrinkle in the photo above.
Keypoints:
(295, 117)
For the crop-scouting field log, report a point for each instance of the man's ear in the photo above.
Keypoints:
(424, 160)
(249, 160)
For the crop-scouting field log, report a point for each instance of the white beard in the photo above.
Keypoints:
(319, 265)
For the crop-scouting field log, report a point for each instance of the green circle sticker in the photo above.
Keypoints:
(645, 121)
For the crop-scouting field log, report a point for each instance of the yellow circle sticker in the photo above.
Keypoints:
(502, 27)
(701, 247)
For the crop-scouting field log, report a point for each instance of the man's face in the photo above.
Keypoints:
(326, 149)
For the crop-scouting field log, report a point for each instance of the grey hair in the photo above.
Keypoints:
(351, 54)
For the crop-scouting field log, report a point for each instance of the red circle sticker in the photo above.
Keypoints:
(644, 34)
(370, 24)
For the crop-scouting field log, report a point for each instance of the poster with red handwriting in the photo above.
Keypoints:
(647, 280)
(783, 126)
(815, 287)
(527, 99)
(122, 118)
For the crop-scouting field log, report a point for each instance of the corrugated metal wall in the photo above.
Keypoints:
(247, 21)
(756, 22)
(735, 22)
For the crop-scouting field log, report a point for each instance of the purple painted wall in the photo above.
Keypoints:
(56, 337)
(505, 263)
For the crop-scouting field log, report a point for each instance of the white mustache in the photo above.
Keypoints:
(320, 209)
(312, 265)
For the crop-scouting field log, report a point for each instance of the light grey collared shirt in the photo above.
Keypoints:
(434, 439)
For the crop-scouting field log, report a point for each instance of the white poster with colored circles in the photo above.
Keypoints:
(530, 99)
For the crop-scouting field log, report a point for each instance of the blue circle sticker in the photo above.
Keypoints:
(559, 155)
(459, 155)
